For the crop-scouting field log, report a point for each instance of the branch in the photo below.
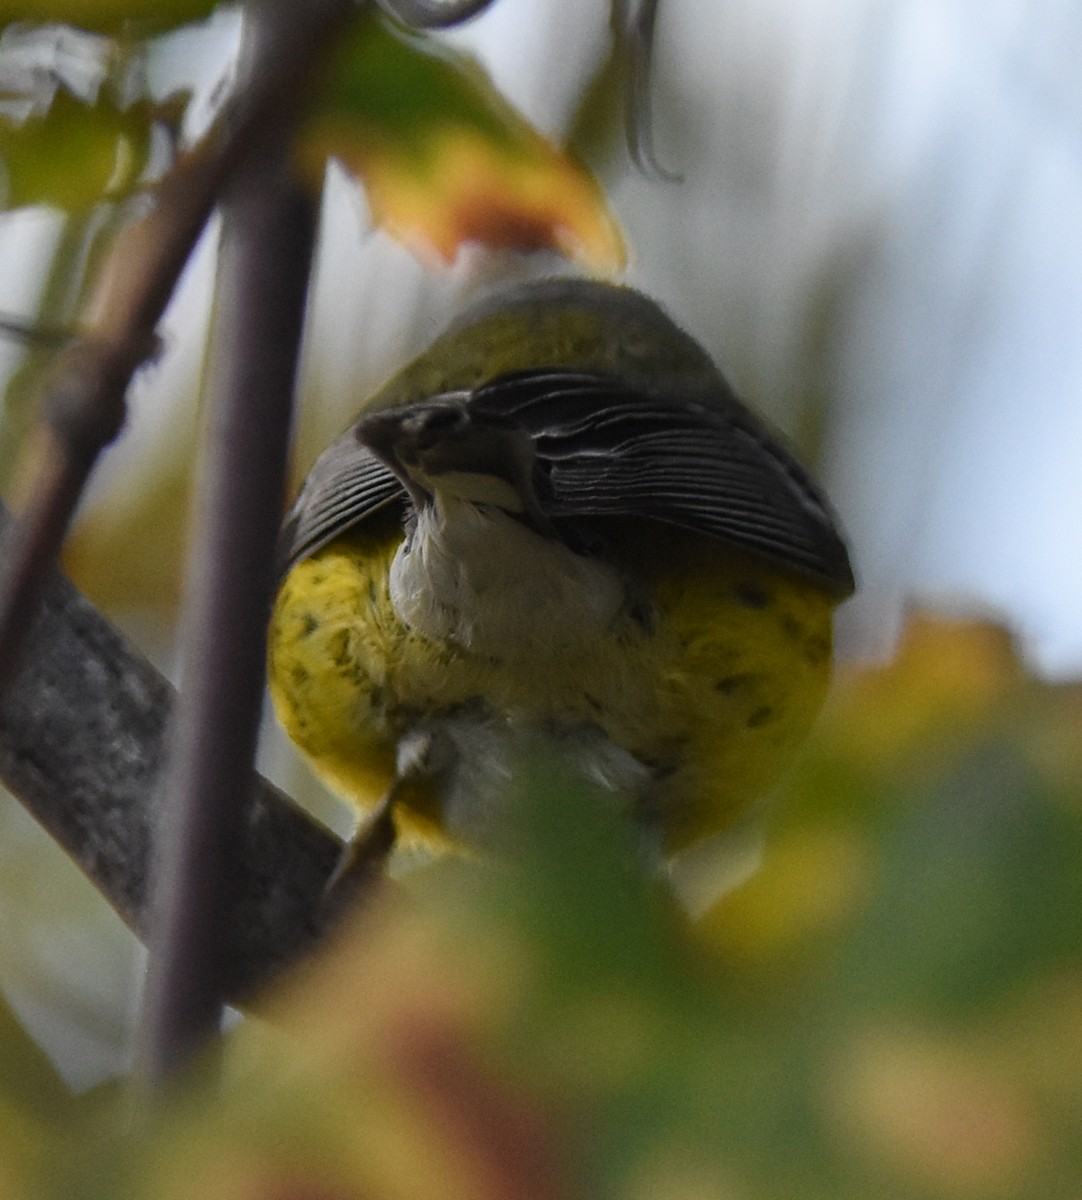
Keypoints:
(268, 231)
(83, 406)
(82, 729)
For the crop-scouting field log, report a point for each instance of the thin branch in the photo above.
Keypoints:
(33, 332)
(268, 236)
(83, 407)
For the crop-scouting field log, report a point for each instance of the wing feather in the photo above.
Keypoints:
(605, 448)
(346, 485)
(703, 463)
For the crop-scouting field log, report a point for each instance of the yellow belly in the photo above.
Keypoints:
(712, 691)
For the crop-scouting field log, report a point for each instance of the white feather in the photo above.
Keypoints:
(472, 575)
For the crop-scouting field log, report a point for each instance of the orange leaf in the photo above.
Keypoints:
(446, 161)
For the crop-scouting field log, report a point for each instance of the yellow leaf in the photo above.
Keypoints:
(810, 882)
(946, 1119)
(947, 679)
(74, 155)
(446, 161)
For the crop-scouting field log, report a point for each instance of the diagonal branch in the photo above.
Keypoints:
(83, 405)
(82, 743)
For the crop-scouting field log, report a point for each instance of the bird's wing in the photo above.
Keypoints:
(346, 484)
(607, 448)
(702, 463)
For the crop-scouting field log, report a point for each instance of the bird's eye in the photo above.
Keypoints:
(436, 422)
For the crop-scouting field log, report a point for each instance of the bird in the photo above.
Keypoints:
(557, 526)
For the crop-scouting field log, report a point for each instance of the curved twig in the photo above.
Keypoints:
(433, 14)
(636, 30)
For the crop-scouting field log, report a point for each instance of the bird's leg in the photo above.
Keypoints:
(364, 856)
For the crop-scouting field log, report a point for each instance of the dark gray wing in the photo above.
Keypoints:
(346, 484)
(606, 448)
(705, 464)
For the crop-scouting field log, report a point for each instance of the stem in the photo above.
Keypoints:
(84, 406)
(268, 235)
(433, 14)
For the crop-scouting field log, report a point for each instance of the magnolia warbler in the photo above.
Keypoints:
(560, 522)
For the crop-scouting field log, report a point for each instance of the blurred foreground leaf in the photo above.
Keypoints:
(75, 155)
(28, 1081)
(33, 1104)
(69, 136)
(445, 160)
(107, 15)
(889, 1008)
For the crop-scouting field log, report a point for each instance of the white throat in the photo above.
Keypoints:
(473, 575)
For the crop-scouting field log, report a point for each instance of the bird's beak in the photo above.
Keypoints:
(440, 446)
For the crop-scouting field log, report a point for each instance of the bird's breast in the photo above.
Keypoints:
(475, 577)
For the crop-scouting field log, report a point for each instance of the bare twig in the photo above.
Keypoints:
(635, 22)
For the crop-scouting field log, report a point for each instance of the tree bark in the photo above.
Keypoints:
(82, 745)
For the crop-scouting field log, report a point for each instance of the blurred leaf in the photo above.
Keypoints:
(75, 155)
(445, 160)
(27, 1079)
(130, 557)
(946, 680)
(66, 136)
(939, 1113)
(811, 882)
(108, 15)
(600, 114)
(929, 815)
(980, 888)
(32, 1096)
(889, 1008)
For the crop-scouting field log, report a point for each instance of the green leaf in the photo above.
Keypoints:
(71, 133)
(75, 155)
(28, 1081)
(107, 16)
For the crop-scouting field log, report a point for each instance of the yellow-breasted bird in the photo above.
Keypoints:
(557, 522)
